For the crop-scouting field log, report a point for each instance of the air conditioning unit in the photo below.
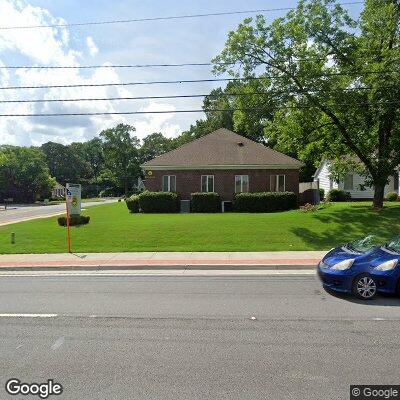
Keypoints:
(226, 206)
(185, 206)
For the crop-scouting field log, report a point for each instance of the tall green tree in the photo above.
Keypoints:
(24, 175)
(91, 153)
(66, 163)
(336, 78)
(121, 154)
(154, 145)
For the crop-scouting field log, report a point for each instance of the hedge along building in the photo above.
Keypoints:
(222, 162)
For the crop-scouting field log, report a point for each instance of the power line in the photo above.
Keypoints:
(111, 66)
(176, 111)
(184, 96)
(163, 65)
(194, 80)
(149, 19)
(193, 64)
(130, 83)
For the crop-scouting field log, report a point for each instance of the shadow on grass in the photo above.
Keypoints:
(382, 300)
(345, 224)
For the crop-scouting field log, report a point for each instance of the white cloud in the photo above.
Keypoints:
(150, 123)
(55, 47)
(49, 47)
(93, 49)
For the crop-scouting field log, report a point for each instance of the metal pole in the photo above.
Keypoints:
(68, 226)
(12, 237)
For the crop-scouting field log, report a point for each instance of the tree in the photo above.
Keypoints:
(94, 155)
(121, 154)
(24, 175)
(335, 78)
(91, 153)
(236, 108)
(154, 145)
(216, 100)
(66, 163)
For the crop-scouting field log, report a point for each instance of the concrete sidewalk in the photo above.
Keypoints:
(289, 260)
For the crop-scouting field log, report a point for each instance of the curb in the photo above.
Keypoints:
(188, 267)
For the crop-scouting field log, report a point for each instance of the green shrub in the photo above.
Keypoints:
(158, 202)
(321, 194)
(206, 202)
(133, 203)
(265, 201)
(338, 195)
(392, 196)
(74, 220)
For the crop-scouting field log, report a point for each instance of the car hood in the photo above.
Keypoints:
(379, 255)
(342, 253)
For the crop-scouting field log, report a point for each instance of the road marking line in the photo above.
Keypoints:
(58, 343)
(158, 273)
(29, 315)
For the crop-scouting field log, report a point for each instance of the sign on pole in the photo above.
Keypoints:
(73, 194)
(68, 200)
(73, 206)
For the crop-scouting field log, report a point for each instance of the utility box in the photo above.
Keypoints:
(226, 206)
(185, 206)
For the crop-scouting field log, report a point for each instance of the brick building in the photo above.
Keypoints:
(222, 162)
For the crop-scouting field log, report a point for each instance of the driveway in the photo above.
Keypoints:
(19, 213)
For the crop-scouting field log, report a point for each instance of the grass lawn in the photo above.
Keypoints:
(113, 229)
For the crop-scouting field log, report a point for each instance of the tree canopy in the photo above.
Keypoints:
(24, 175)
(121, 154)
(334, 81)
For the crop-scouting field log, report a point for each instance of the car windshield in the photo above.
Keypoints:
(363, 245)
(394, 244)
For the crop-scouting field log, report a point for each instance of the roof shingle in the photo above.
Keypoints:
(222, 148)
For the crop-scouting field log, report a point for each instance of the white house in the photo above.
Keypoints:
(351, 183)
(58, 191)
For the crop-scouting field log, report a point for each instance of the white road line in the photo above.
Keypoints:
(158, 273)
(58, 343)
(28, 315)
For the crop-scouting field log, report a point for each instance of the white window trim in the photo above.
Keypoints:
(241, 183)
(277, 182)
(169, 182)
(201, 183)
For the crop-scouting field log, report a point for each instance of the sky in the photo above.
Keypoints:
(171, 41)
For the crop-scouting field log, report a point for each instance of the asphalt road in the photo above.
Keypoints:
(22, 213)
(211, 337)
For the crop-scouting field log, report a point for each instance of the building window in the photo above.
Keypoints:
(207, 183)
(348, 182)
(278, 183)
(241, 183)
(169, 183)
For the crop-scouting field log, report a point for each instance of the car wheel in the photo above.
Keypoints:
(364, 287)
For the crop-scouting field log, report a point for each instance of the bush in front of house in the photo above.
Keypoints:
(205, 202)
(133, 203)
(321, 194)
(158, 202)
(338, 195)
(392, 196)
(74, 220)
(265, 202)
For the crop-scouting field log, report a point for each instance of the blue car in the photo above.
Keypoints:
(363, 268)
